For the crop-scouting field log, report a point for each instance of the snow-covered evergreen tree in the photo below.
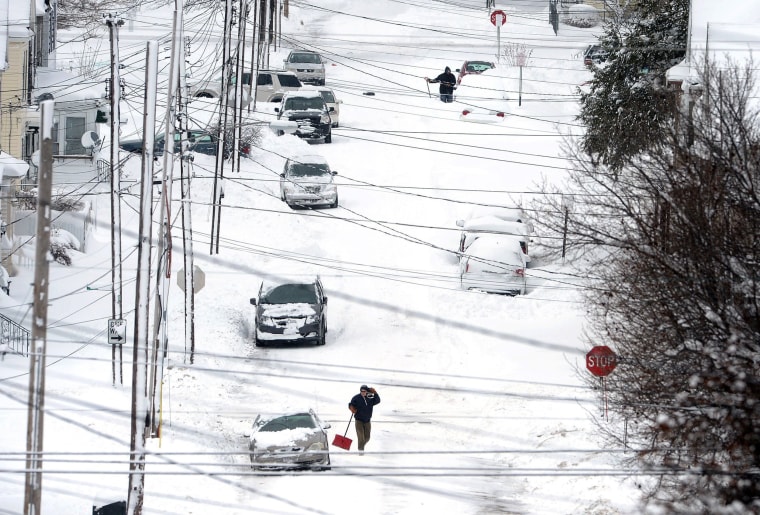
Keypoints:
(627, 105)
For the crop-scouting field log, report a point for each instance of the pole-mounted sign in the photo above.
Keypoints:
(498, 18)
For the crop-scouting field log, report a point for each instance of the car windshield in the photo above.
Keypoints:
(328, 96)
(305, 58)
(290, 294)
(308, 169)
(289, 422)
(289, 81)
(304, 103)
(478, 66)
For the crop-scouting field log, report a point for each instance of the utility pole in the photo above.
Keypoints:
(140, 419)
(218, 192)
(187, 225)
(160, 339)
(254, 57)
(114, 22)
(237, 119)
(36, 407)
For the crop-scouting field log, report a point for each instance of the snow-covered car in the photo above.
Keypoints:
(200, 141)
(474, 228)
(308, 181)
(290, 312)
(307, 65)
(494, 264)
(483, 97)
(594, 54)
(469, 67)
(291, 441)
(309, 111)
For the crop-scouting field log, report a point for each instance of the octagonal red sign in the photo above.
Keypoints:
(601, 360)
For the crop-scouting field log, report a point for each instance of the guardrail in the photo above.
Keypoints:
(15, 337)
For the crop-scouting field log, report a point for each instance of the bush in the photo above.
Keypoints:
(581, 16)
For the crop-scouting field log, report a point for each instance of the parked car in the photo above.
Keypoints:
(474, 228)
(290, 441)
(469, 67)
(270, 85)
(494, 264)
(290, 312)
(307, 65)
(308, 181)
(594, 54)
(483, 98)
(310, 112)
(333, 104)
(199, 141)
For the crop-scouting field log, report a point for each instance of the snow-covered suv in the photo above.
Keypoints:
(310, 112)
(270, 85)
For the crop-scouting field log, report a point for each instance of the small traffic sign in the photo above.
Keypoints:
(498, 16)
(117, 331)
(601, 360)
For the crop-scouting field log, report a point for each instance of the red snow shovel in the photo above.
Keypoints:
(342, 441)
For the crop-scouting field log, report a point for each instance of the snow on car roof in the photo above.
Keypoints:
(495, 224)
(302, 93)
(482, 86)
(309, 159)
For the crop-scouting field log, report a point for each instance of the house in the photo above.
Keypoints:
(27, 71)
(716, 33)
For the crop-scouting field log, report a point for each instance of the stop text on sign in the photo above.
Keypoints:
(601, 360)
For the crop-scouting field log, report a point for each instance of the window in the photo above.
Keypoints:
(74, 129)
(264, 80)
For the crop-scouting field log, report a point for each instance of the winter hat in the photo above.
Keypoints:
(448, 70)
(364, 387)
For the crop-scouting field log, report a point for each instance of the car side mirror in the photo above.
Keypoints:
(334, 172)
(277, 109)
(325, 300)
(457, 69)
(282, 175)
(332, 109)
(460, 223)
(253, 302)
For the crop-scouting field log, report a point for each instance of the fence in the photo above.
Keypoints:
(15, 337)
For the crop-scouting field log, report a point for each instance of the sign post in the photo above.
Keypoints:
(498, 18)
(600, 361)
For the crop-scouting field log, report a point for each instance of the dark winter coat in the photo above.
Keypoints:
(363, 406)
(448, 81)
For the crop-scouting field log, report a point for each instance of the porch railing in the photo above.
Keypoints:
(14, 336)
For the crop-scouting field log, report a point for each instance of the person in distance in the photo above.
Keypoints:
(448, 83)
(361, 406)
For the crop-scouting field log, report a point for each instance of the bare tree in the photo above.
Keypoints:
(674, 245)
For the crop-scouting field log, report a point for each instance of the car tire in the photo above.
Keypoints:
(328, 138)
(335, 204)
(323, 337)
(204, 95)
(258, 343)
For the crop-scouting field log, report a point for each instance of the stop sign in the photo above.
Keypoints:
(601, 360)
(498, 16)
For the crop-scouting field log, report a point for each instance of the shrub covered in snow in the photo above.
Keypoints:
(580, 15)
(61, 241)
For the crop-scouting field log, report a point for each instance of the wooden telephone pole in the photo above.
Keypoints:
(33, 478)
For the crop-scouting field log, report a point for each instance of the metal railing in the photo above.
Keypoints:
(14, 336)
